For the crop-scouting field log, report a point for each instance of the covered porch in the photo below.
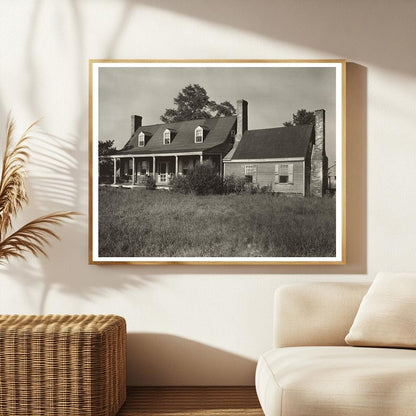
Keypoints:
(134, 170)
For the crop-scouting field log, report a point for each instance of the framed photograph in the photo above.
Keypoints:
(217, 162)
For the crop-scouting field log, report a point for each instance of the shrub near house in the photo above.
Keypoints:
(201, 180)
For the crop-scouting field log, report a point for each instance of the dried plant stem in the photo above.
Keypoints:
(34, 236)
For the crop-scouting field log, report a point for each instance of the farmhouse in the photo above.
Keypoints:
(283, 159)
(166, 150)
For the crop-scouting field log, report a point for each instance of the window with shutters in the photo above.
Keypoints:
(284, 173)
(250, 173)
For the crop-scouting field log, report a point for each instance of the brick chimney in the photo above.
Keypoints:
(319, 160)
(136, 122)
(242, 119)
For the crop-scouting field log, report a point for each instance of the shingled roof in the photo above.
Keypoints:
(183, 139)
(274, 143)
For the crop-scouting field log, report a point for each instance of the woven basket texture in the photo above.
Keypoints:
(62, 365)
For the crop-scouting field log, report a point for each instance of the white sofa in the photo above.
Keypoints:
(312, 372)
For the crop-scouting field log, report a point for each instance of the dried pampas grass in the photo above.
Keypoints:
(34, 236)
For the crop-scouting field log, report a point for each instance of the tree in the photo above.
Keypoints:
(224, 109)
(106, 148)
(193, 103)
(301, 117)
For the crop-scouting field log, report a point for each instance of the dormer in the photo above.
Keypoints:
(168, 135)
(200, 134)
(142, 138)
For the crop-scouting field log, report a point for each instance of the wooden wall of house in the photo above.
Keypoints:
(264, 175)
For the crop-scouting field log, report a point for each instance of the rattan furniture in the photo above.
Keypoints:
(69, 365)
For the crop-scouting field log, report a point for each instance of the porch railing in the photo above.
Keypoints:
(160, 179)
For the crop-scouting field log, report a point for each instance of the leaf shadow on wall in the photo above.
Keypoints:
(62, 183)
(58, 175)
(52, 185)
(164, 359)
(324, 25)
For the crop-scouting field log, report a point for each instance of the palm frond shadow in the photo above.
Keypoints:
(56, 182)
(58, 179)
(272, 23)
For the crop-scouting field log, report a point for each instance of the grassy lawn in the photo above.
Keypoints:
(141, 223)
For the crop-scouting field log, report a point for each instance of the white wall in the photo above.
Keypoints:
(200, 324)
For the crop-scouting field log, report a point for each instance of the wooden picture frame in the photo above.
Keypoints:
(231, 187)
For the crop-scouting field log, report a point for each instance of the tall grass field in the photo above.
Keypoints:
(145, 223)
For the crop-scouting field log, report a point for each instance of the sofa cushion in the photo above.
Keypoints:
(337, 381)
(315, 313)
(387, 314)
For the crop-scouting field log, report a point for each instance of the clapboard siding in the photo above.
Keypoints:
(298, 185)
(265, 175)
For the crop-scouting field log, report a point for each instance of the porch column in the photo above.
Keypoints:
(221, 167)
(114, 171)
(200, 159)
(154, 167)
(133, 172)
(176, 165)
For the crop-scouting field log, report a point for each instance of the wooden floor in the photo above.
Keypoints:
(195, 401)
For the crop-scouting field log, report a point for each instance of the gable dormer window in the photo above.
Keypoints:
(142, 139)
(166, 136)
(199, 135)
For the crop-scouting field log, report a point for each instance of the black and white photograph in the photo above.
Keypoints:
(217, 162)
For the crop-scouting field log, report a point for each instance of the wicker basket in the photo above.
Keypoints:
(70, 365)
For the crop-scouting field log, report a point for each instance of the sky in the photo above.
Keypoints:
(273, 95)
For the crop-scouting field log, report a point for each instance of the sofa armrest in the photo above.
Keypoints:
(315, 313)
